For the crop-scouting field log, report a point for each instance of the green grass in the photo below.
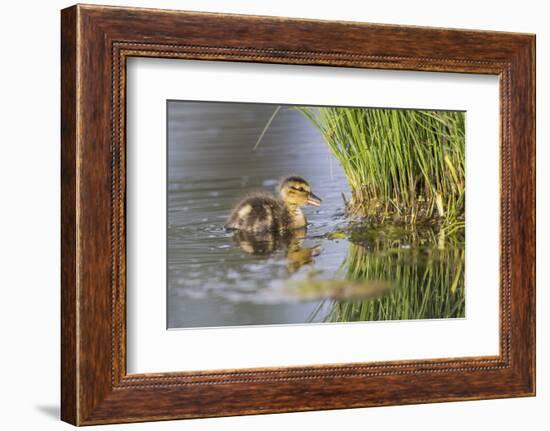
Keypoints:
(406, 165)
(426, 275)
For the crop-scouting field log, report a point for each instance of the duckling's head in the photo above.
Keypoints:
(295, 191)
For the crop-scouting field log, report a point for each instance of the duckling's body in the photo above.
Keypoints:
(263, 212)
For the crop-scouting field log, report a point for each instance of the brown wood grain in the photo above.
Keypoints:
(68, 217)
(96, 41)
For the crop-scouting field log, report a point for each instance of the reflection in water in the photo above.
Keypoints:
(339, 290)
(266, 243)
(426, 276)
(336, 271)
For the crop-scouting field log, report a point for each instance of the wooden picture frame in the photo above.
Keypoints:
(95, 43)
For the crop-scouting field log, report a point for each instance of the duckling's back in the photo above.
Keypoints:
(259, 213)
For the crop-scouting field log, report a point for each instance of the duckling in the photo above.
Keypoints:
(263, 212)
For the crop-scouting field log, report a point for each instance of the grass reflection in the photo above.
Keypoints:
(424, 269)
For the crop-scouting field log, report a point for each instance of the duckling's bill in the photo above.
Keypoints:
(314, 200)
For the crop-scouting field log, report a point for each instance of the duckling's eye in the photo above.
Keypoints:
(299, 189)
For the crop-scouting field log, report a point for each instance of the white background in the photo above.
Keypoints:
(29, 217)
(151, 348)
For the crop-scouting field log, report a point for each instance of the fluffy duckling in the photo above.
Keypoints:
(263, 212)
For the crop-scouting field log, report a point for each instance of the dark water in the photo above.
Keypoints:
(216, 279)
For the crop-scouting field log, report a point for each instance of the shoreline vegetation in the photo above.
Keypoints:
(402, 166)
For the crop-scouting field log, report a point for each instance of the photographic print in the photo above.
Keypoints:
(284, 214)
(270, 212)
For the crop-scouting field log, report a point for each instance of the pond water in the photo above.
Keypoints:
(337, 271)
